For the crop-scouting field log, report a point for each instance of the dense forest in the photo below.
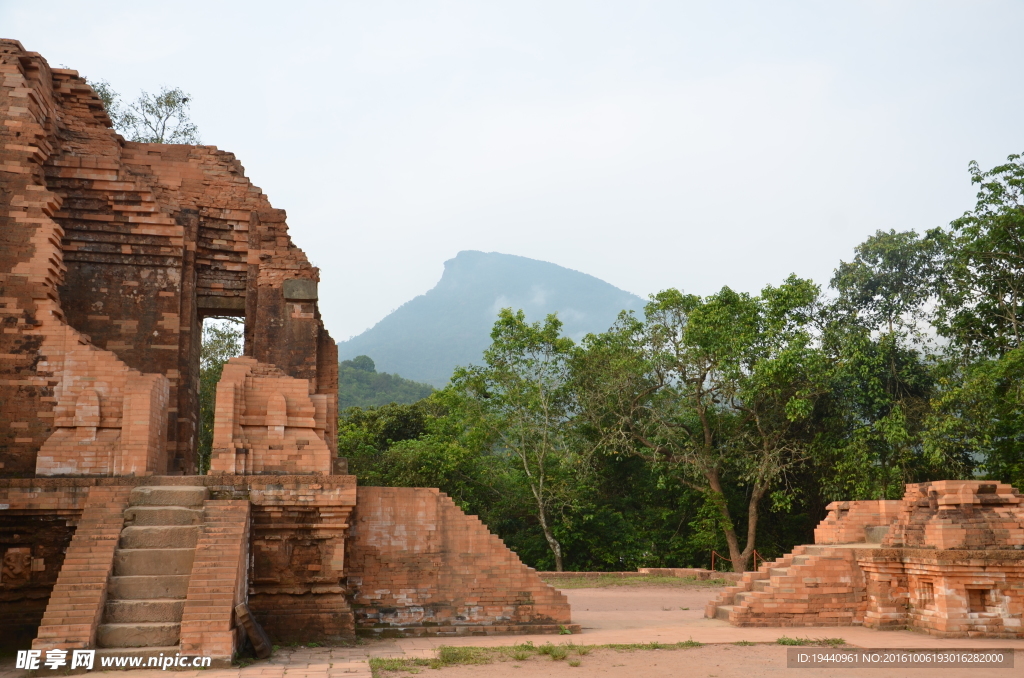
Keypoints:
(728, 422)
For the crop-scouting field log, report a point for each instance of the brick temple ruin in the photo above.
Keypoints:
(111, 255)
(947, 559)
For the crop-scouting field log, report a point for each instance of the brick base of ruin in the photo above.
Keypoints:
(328, 561)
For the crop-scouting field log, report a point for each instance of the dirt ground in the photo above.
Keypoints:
(631, 607)
(609, 615)
(711, 661)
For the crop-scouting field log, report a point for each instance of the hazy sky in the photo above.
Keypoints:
(651, 144)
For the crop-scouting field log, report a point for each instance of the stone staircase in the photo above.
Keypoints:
(152, 564)
(811, 586)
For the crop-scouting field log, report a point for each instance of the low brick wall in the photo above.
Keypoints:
(418, 565)
(76, 603)
(218, 582)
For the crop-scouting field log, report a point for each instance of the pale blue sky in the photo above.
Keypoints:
(651, 144)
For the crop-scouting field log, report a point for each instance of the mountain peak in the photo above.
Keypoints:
(450, 325)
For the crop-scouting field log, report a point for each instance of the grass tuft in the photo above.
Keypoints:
(744, 643)
(829, 642)
(824, 642)
(452, 656)
(378, 664)
(448, 655)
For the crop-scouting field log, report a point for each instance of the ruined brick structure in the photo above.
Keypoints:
(111, 255)
(948, 560)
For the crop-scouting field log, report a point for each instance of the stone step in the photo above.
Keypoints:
(169, 495)
(160, 537)
(138, 562)
(762, 585)
(148, 587)
(138, 635)
(722, 612)
(778, 571)
(146, 610)
(139, 516)
(800, 560)
(742, 597)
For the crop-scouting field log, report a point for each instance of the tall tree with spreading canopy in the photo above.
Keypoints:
(883, 379)
(525, 388)
(714, 390)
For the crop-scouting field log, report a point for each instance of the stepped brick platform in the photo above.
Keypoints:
(111, 255)
(948, 560)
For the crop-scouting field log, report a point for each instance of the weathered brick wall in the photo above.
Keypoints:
(37, 520)
(298, 557)
(266, 421)
(959, 514)
(31, 267)
(32, 546)
(930, 590)
(76, 604)
(415, 560)
(218, 582)
(846, 520)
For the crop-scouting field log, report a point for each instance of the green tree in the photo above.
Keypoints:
(714, 390)
(160, 118)
(979, 412)
(525, 389)
(361, 362)
(439, 441)
(981, 289)
(883, 380)
(221, 340)
(887, 284)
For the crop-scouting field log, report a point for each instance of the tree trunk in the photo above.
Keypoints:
(755, 501)
(718, 496)
(556, 548)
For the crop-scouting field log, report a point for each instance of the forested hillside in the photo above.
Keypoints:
(360, 385)
(426, 338)
(728, 422)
